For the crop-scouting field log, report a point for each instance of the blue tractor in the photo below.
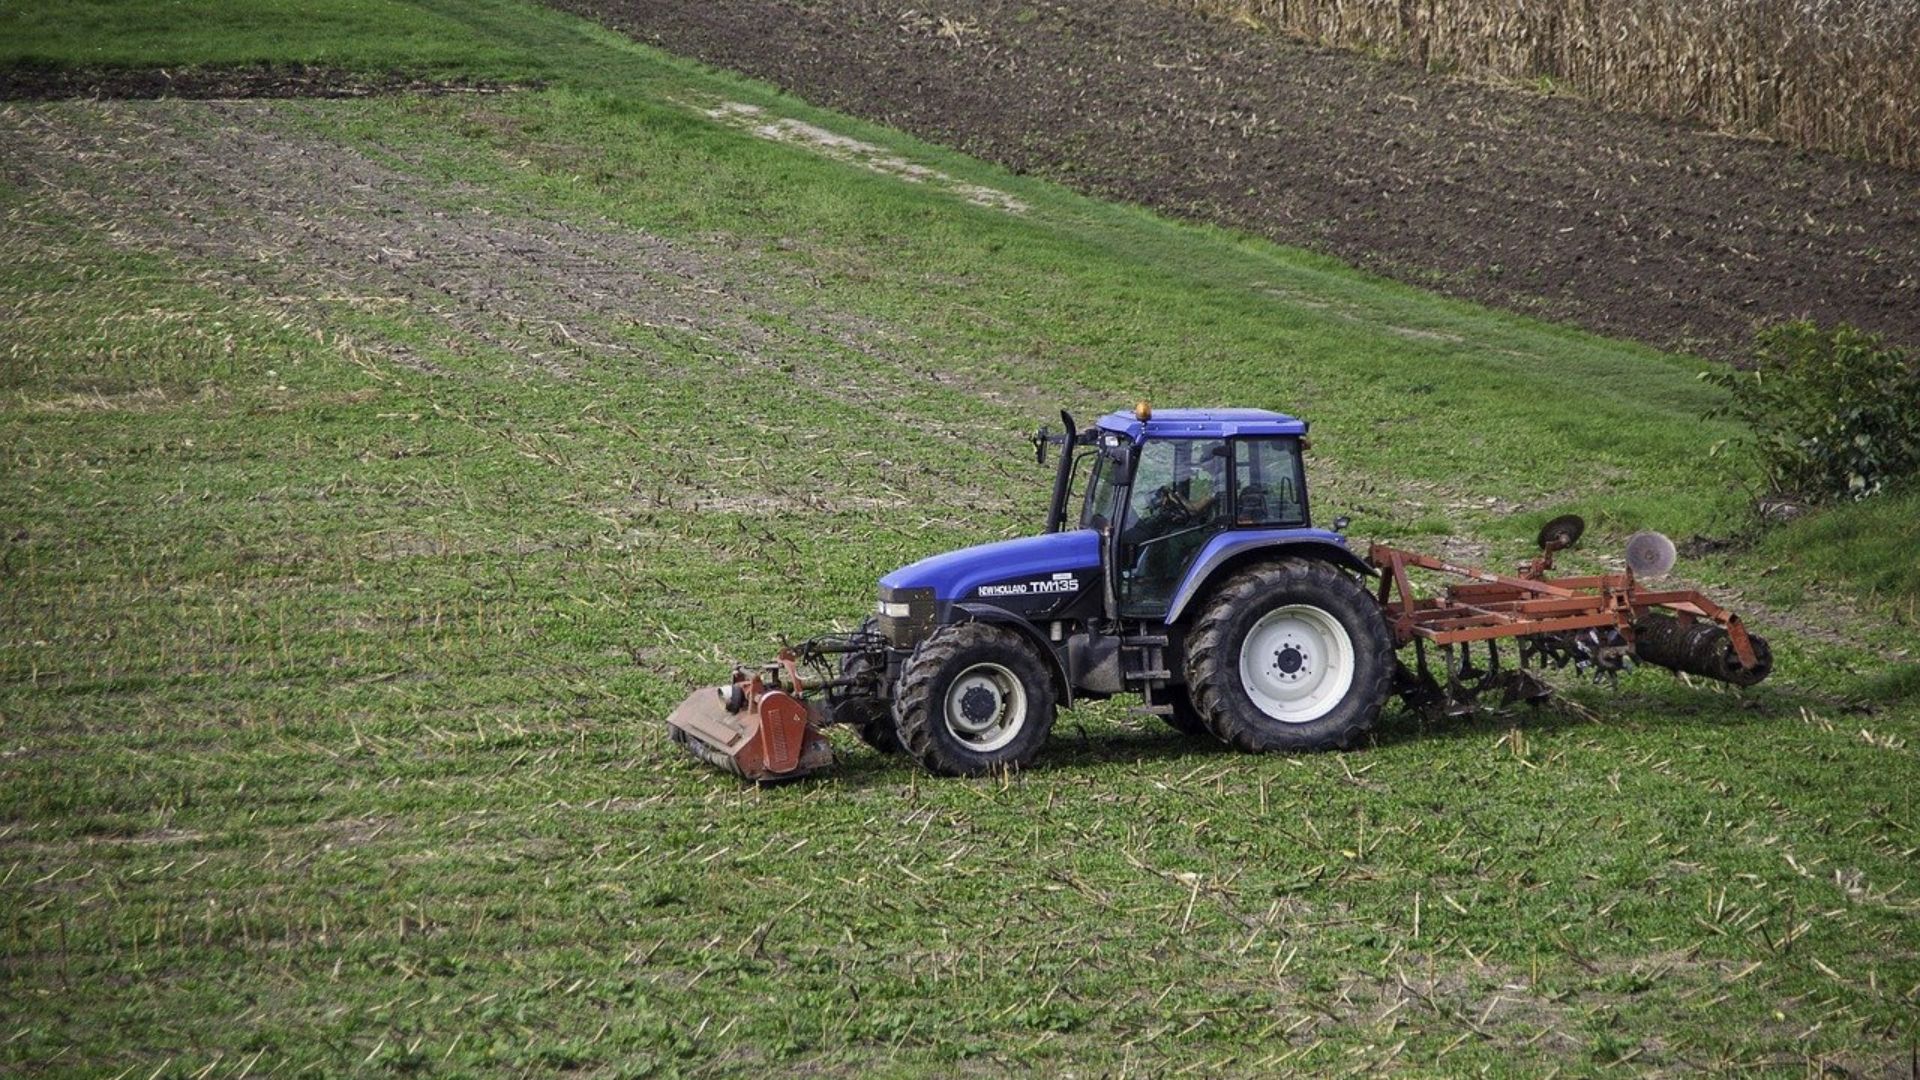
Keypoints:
(1179, 562)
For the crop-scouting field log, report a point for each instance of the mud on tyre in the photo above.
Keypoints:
(973, 698)
(1290, 655)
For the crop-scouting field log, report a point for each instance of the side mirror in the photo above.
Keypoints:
(1340, 523)
(1044, 438)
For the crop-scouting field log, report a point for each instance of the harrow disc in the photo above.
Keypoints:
(1562, 532)
(1649, 555)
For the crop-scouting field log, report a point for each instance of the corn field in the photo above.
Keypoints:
(1838, 75)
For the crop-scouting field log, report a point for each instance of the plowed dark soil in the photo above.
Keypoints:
(1676, 237)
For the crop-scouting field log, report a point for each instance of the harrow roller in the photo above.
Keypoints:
(1701, 648)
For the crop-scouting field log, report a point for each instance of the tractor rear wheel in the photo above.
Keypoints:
(973, 698)
(870, 717)
(1290, 655)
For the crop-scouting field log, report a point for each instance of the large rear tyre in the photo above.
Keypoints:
(870, 717)
(973, 698)
(1290, 655)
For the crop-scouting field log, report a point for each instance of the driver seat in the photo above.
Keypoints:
(1256, 504)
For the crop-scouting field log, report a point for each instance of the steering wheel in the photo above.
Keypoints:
(1170, 505)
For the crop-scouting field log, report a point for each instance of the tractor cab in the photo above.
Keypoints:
(1158, 487)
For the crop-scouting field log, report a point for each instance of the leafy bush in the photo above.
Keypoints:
(1834, 413)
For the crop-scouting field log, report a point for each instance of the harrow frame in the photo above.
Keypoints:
(1492, 606)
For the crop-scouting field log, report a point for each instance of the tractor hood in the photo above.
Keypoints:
(1030, 566)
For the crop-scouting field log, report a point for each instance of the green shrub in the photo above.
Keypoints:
(1834, 413)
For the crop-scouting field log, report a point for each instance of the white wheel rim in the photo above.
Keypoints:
(986, 707)
(1297, 663)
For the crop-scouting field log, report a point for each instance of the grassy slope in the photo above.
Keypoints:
(328, 709)
(1872, 547)
(363, 35)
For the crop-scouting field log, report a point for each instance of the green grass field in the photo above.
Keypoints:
(379, 473)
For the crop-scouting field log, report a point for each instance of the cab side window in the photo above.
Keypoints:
(1267, 482)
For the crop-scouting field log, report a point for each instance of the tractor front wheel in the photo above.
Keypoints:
(1291, 655)
(973, 698)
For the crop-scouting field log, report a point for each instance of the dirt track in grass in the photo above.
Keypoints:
(452, 280)
(1630, 227)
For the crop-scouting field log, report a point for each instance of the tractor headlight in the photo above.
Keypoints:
(906, 616)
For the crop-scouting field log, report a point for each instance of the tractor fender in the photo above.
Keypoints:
(975, 611)
(1231, 550)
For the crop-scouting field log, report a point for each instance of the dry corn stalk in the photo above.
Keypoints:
(1838, 75)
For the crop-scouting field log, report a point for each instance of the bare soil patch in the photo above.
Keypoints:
(1628, 226)
(254, 81)
(260, 207)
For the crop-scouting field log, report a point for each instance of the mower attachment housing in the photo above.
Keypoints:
(750, 731)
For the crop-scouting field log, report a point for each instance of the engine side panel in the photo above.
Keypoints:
(1032, 573)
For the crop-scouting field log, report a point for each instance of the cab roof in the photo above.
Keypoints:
(1201, 424)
